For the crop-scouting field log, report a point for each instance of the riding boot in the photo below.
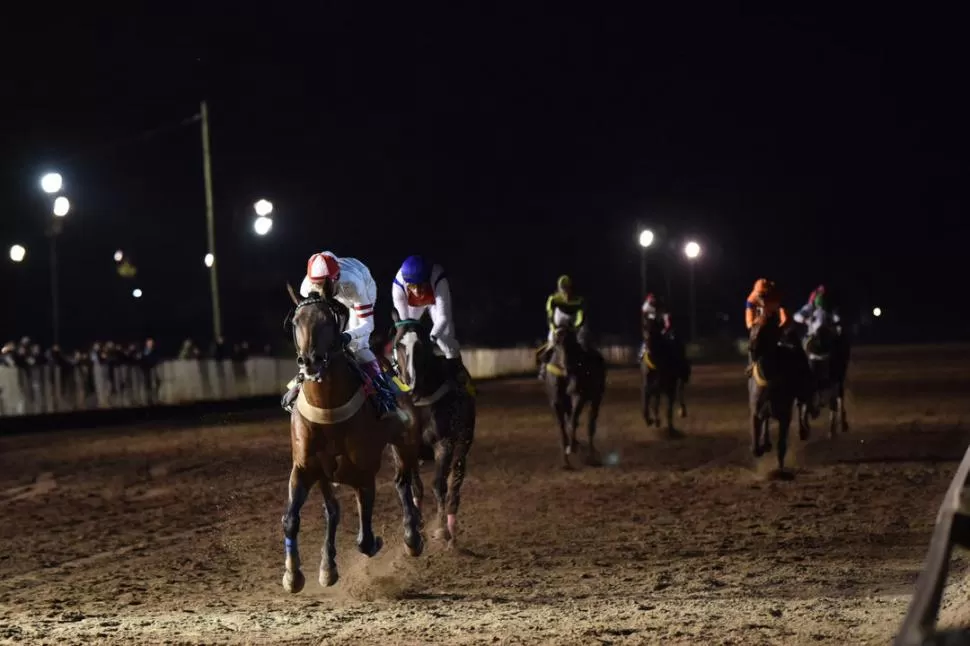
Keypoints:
(384, 395)
(289, 398)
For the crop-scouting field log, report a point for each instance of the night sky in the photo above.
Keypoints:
(512, 147)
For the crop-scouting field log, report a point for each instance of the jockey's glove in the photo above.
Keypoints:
(433, 338)
(345, 339)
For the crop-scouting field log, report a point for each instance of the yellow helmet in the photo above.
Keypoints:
(564, 282)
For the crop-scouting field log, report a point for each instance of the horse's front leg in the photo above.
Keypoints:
(671, 398)
(299, 487)
(784, 424)
(593, 456)
(367, 543)
(579, 403)
(645, 396)
(405, 462)
(453, 498)
(681, 387)
(443, 455)
(328, 555)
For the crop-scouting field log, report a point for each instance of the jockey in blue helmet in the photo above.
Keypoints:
(421, 286)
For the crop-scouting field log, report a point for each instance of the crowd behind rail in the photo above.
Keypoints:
(105, 375)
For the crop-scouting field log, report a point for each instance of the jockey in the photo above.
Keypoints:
(653, 308)
(350, 283)
(563, 308)
(420, 287)
(764, 301)
(817, 312)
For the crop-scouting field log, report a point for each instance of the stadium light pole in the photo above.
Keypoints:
(210, 221)
(692, 250)
(53, 184)
(645, 238)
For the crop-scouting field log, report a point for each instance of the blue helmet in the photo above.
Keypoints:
(416, 270)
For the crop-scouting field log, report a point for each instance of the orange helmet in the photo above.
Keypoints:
(762, 286)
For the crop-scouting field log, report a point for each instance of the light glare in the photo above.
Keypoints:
(119, 255)
(61, 206)
(263, 208)
(646, 238)
(136, 293)
(209, 260)
(17, 253)
(262, 225)
(877, 312)
(52, 183)
(692, 250)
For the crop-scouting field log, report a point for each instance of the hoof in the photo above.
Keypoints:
(803, 433)
(293, 582)
(568, 450)
(375, 547)
(782, 475)
(441, 534)
(757, 451)
(416, 548)
(328, 577)
(683, 412)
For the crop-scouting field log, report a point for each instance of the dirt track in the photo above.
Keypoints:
(141, 536)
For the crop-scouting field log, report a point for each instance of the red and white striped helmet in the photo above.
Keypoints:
(322, 266)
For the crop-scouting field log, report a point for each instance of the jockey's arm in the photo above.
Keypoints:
(550, 309)
(442, 298)
(365, 294)
(803, 314)
(750, 310)
(782, 317)
(399, 297)
(580, 316)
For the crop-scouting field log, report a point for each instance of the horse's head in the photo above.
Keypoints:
(316, 335)
(414, 354)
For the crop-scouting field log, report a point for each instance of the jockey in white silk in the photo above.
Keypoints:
(354, 288)
(352, 285)
(816, 313)
(421, 286)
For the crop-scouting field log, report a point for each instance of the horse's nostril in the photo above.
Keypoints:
(300, 361)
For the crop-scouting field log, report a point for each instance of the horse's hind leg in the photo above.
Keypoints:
(300, 481)
(671, 397)
(784, 424)
(681, 387)
(645, 398)
(405, 462)
(593, 457)
(328, 555)
(443, 456)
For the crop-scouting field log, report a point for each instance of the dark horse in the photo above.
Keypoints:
(575, 377)
(445, 413)
(779, 374)
(664, 370)
(337, 436)
(828, 352)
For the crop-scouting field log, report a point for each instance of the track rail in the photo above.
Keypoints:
(952, 529)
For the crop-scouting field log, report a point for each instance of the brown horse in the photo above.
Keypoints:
(446, 415)
(337, 436)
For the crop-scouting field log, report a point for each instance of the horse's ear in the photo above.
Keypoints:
(292, 292)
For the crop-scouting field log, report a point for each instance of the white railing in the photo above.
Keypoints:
(45, 389)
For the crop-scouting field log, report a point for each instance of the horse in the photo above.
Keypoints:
(575, 376)
(827, 351)
(664, 370)
(778, 376)
(446, 416)
(337, 436)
